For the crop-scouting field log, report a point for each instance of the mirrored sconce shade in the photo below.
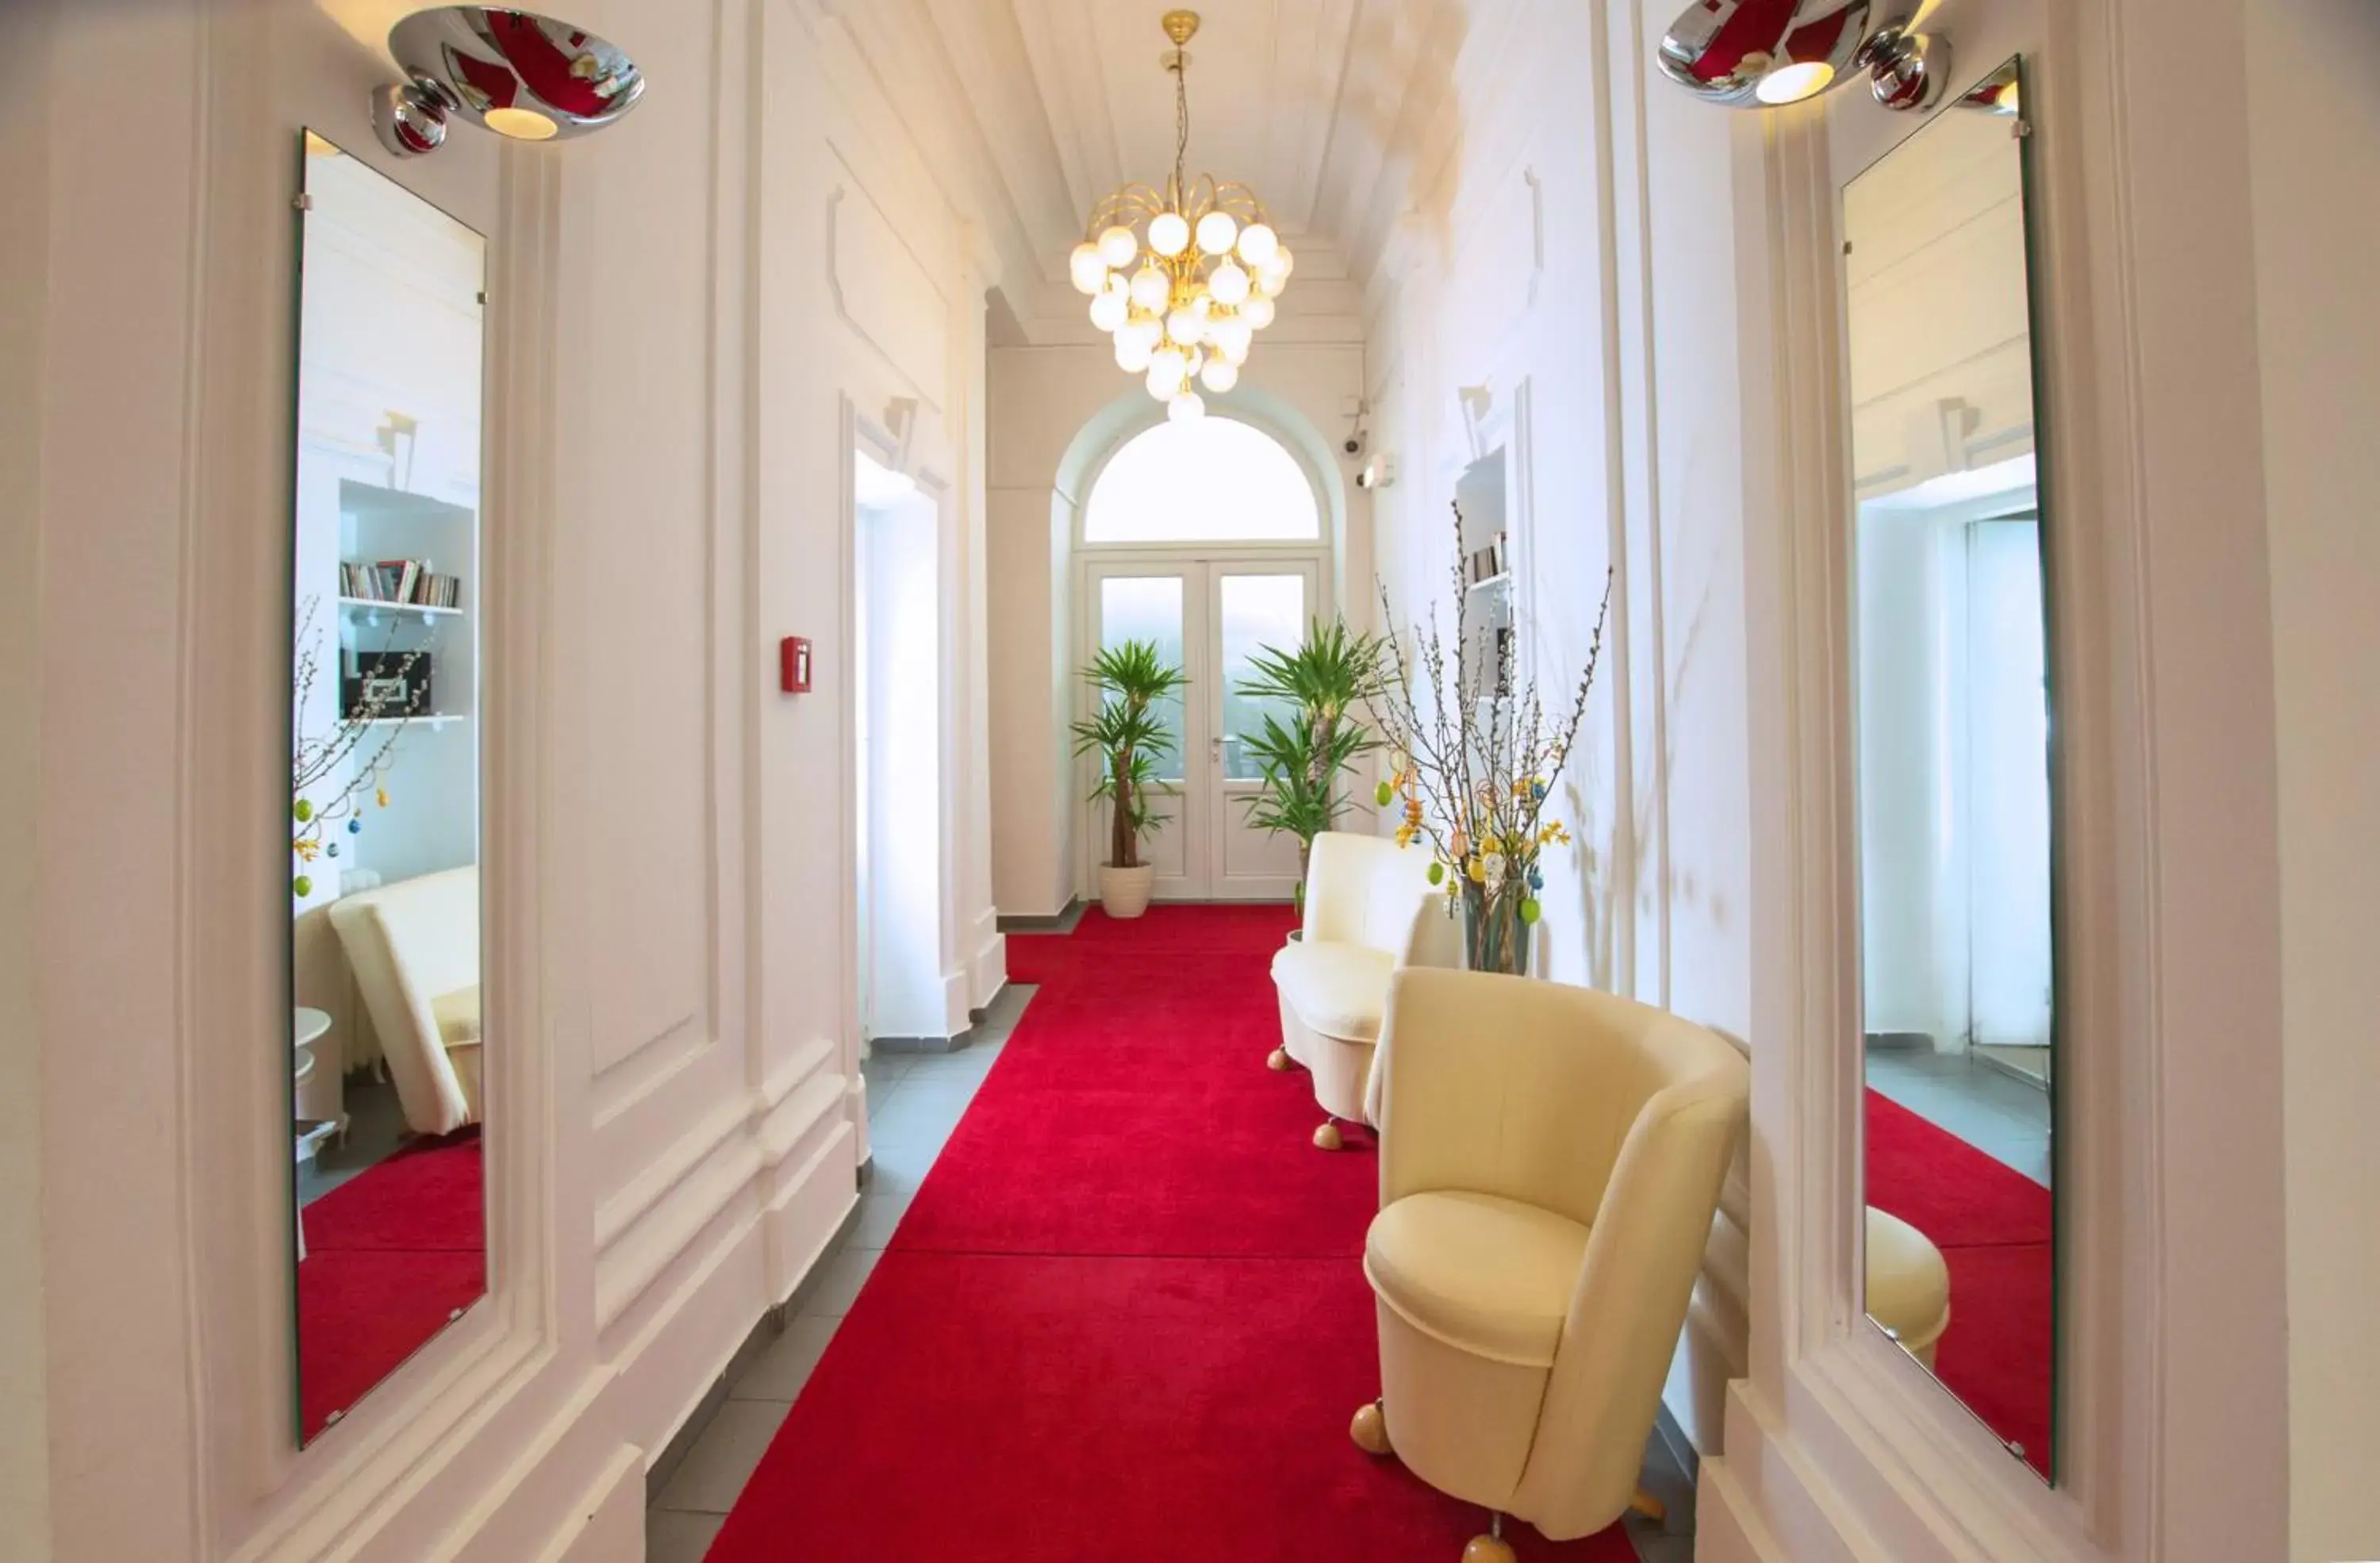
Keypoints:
(520, 75)
(1761, 53)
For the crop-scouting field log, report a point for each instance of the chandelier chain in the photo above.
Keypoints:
(1181, 121)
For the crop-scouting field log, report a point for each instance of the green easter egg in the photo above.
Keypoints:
(302, 885)
(1437, 872)
(1386, 794)
(303, 808)
(1531, 912)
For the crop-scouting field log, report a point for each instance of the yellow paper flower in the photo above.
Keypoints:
(380, 795)
(306, 846)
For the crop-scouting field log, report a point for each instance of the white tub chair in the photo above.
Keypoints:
(414, 947)
(1369, 910)
(1550, 1161)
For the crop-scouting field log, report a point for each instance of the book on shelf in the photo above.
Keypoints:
(407, 582)
(1487, 564)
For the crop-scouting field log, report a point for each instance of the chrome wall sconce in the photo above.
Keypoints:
(518, 73)
(1762, 54)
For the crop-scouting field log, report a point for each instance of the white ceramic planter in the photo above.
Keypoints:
(1123, 892)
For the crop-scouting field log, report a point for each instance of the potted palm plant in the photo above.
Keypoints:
(1301, 760)
(1129, 736)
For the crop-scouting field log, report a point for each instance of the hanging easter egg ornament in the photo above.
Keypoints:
(1437, 872)
(303, 810)
(302, 886)
(355, 826)
(1531, 912)
(1385, 795)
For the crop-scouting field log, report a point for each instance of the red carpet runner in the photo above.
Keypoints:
(1992, 1224)
(389, 1254)
(1124, 1316)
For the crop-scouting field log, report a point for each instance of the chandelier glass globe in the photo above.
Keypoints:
(1187, 406)
(1184, 275)
(1169, 234)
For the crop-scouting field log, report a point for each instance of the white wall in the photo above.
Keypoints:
(1055, 412)
(2311, 116)
(1578, 262)
(686, 313)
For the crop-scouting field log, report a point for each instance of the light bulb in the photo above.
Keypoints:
(1188, 407)
(1217, 230)
(1792, 83)
(1258, 243)
(1109, 311)
(1236, 354)
(1146, 330)
(1169, 234)
(1232, 335)
(1219, 375)
(520, 123)
(1168, 368)
(1090, 273)
(1117, 247)
(1258, 311)
(1132, 355)
(1229, 284)
(1152, 287)
(1282, 262)
(1186, 327)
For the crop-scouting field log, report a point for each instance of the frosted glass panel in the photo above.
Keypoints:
(1257, 611)
(1148, 608)
(1208, 480)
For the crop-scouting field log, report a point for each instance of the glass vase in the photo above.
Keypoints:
(1494, 937)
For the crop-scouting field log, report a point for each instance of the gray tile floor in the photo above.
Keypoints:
(914, 1102)
(2006, 1117)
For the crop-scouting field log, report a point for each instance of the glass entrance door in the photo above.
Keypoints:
(1210, 616)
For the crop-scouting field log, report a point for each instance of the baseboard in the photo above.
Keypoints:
(965, 1040)
(1062, 922)
(764, 1332)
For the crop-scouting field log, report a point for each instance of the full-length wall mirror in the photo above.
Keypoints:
(389, 1224)
(1957, 849)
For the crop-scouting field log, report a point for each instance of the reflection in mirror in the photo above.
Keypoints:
(390, 1232)
(1486, 573)
(1954, 764)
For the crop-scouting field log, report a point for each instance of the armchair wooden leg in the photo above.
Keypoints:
(1370, 1429)
(1327, 1137)
(1648, 1506)
(1279, 1062)
(1491, 1547)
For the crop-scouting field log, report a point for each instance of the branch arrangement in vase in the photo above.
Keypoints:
(346, 763)
(1324, 681)
(1128, 733)
(1476, 756)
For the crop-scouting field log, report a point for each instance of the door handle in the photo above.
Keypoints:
(1215, 748)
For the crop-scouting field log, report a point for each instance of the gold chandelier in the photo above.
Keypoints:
(1184, 277)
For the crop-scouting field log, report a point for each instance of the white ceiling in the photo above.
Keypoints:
(1316, 103)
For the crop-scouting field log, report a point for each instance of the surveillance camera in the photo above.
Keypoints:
(1378, 474)
(1354, 445)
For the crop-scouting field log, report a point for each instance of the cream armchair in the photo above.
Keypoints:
(414, 947)
(1369, 910)
(1550, 1161)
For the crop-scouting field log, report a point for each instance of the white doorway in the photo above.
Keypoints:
(1210, 615)
(896, 748)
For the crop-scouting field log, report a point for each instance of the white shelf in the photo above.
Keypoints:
(446, 721)
(1502, 578)
(373, 603)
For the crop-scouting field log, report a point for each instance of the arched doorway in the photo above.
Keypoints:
(1210, 538)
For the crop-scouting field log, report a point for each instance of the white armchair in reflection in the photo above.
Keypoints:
(414, 947)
